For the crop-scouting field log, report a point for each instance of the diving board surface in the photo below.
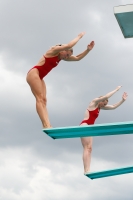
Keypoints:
(90, 130)
(124, 16)
(113, 172)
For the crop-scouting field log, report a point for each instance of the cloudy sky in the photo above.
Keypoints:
(32, 165)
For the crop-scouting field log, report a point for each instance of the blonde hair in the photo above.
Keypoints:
(105, 99)
(71, 49)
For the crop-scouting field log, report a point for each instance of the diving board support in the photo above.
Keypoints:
(124, 16)
(119, 128)
(112, 172)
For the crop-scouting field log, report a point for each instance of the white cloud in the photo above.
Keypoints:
(95, 16)
(24, 175)
(13, 87)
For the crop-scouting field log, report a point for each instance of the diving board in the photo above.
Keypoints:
(124, 16)
(112, 172)
(119, 128)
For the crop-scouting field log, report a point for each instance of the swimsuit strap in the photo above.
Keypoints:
(92, 110)
(50, 57)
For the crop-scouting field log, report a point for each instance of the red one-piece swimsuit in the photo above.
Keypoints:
(49, 64)
(93, 114)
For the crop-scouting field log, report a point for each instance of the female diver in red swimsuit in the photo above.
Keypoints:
(90, 116)
(48, 61)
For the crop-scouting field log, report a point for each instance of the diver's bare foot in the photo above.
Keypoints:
(87, 172)
(48, 126)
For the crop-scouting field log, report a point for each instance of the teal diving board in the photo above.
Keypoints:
(124, 16)
(119, 128)
(112, 172)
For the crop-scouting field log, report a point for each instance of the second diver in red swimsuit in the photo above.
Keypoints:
(90, 116)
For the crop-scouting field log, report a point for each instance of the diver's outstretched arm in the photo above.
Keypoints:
(57, 49)
(116, 105)
(107, 96)
(81, 55)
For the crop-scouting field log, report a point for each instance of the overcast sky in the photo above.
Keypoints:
(32, 165)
